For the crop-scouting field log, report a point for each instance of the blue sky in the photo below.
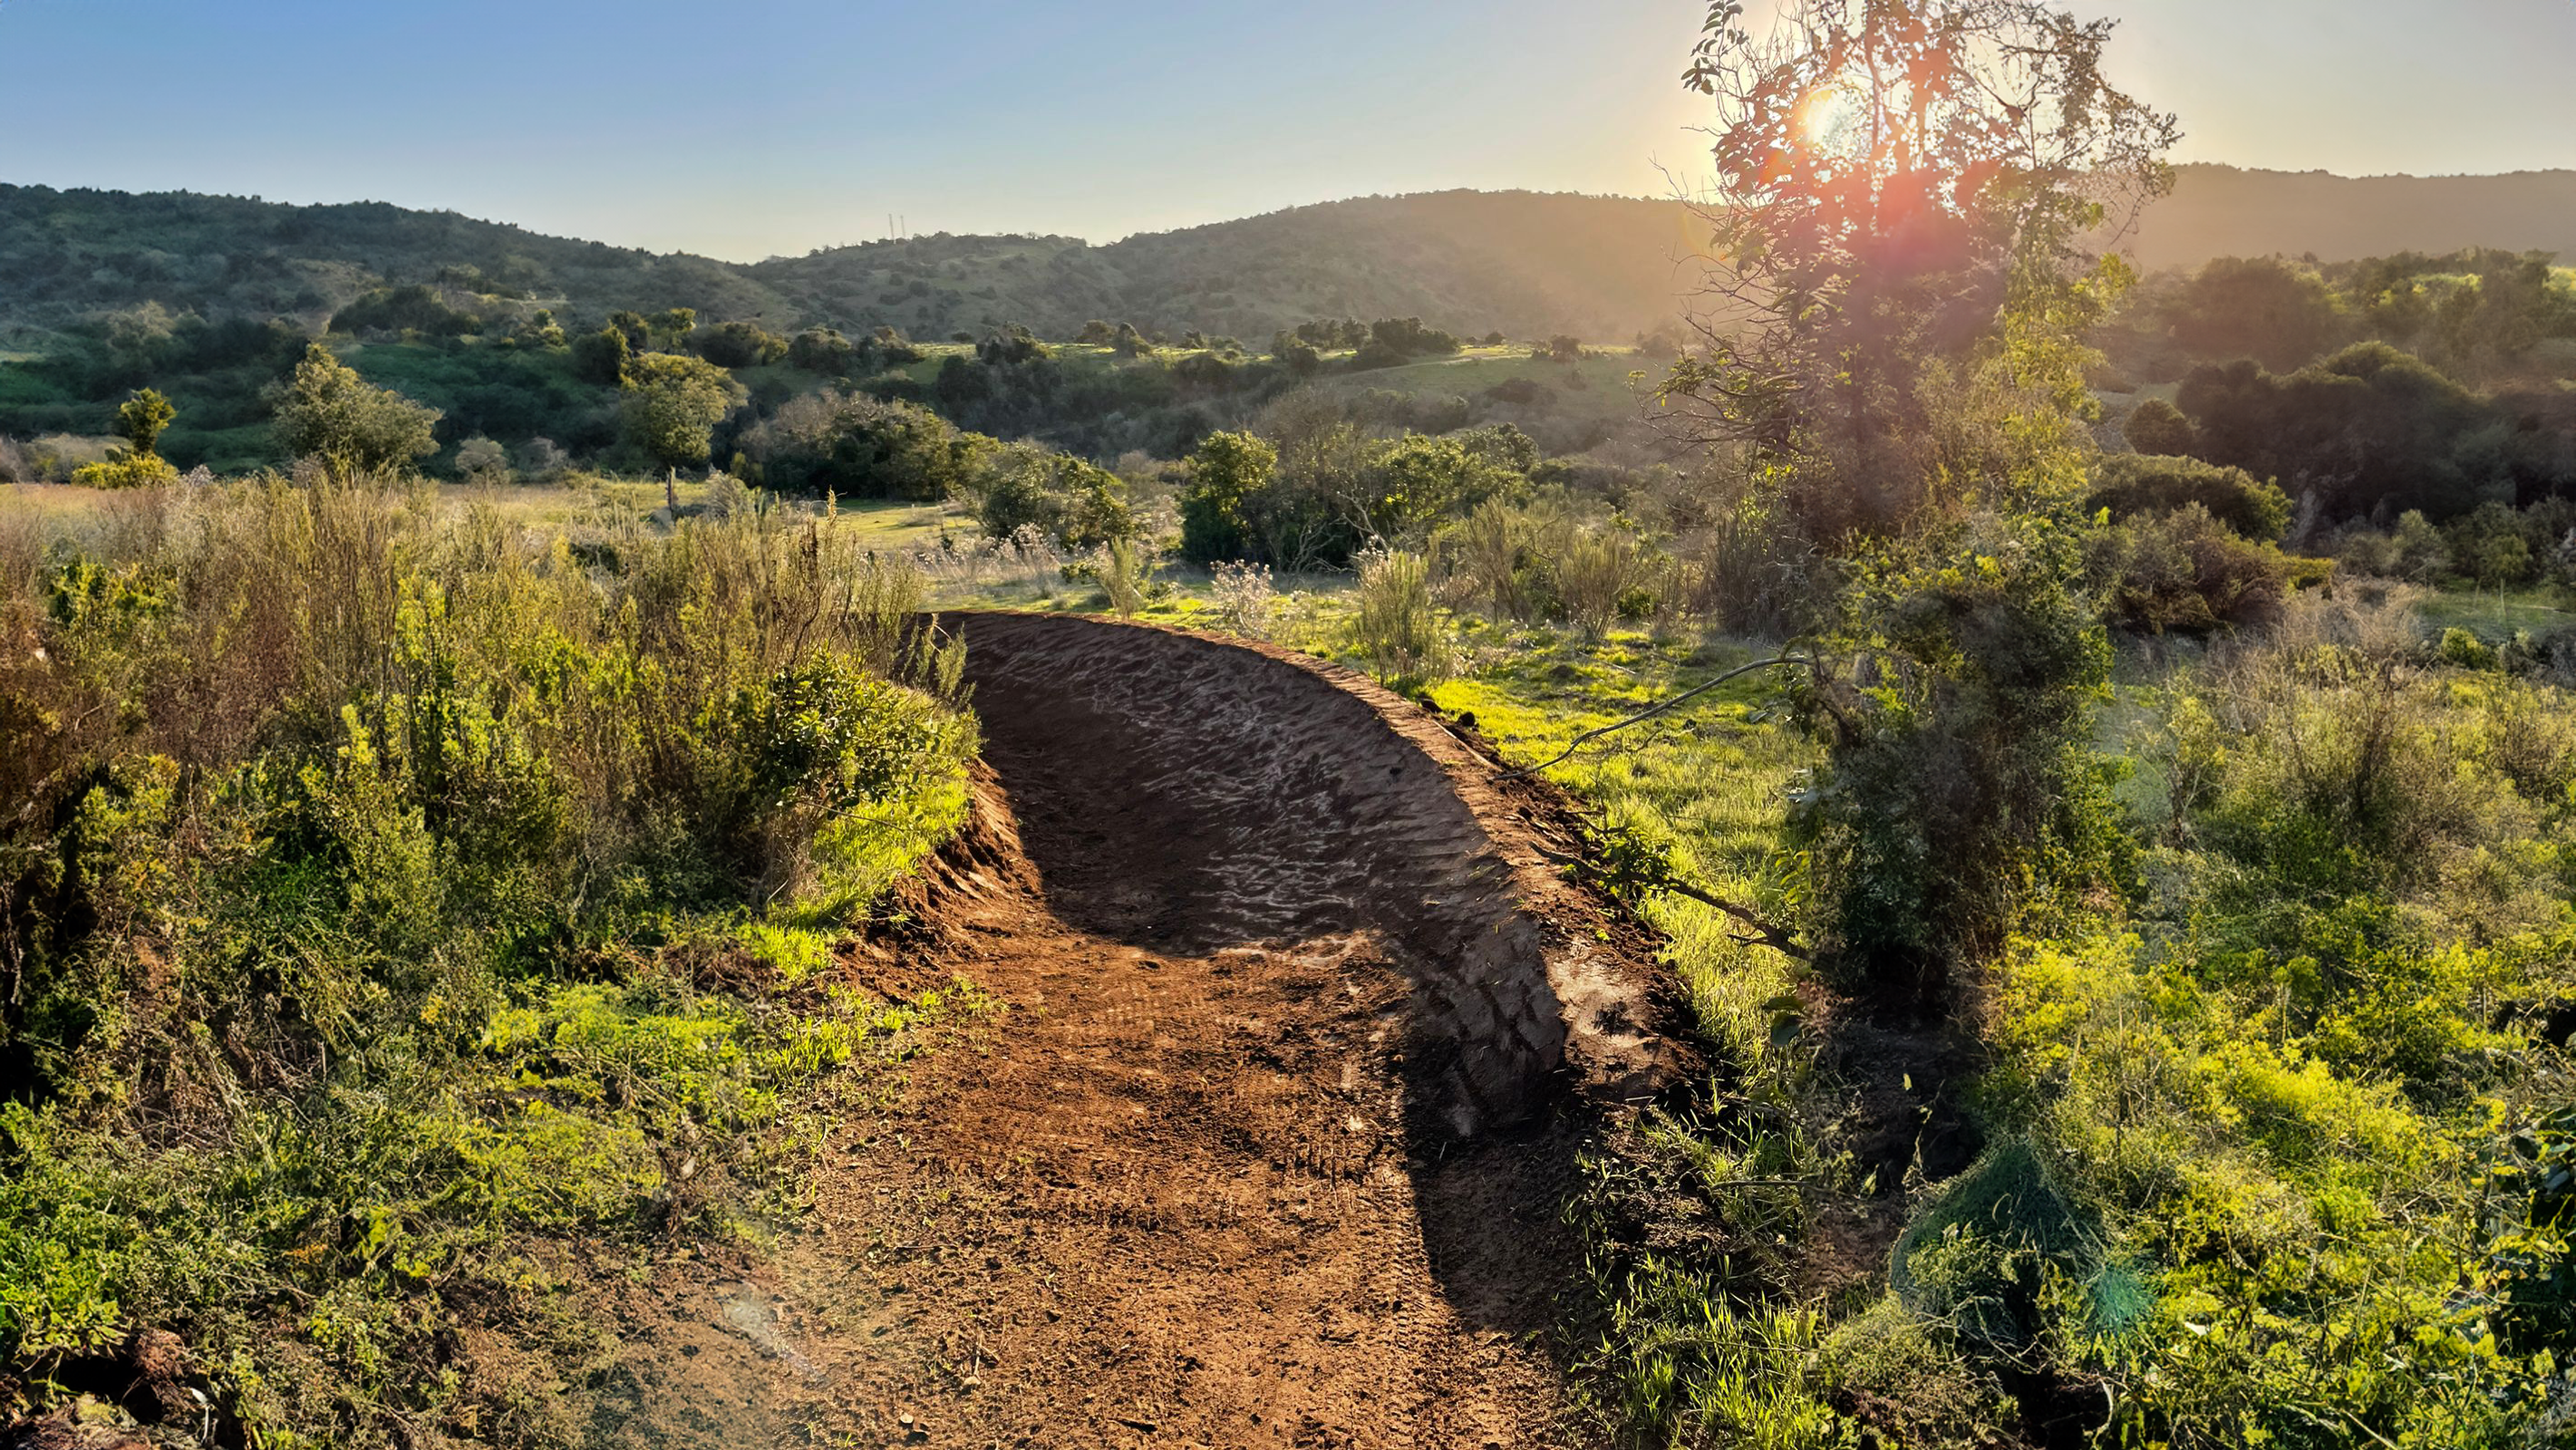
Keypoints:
(754, 127)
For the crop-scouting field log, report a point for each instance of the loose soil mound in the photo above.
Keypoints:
(1271, 1151)
(1202, 796)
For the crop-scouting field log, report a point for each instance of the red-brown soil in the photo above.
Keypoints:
(1272, 1147)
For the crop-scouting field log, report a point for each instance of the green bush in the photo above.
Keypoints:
(1397, 625)
(856, 446)
(2130, 485)
(2185, 571)
(2158, 428)
(363, 916)
(1073, 503)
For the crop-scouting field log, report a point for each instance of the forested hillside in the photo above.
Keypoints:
(1521, 262)
(1524, 263)
(2220, 211)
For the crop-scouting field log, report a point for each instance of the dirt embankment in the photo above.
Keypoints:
(1305, 1030)
(1203, 796)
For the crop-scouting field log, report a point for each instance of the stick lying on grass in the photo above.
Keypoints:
(1764, 932)
(1702, 688)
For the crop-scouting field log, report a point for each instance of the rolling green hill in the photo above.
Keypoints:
(1524, 263)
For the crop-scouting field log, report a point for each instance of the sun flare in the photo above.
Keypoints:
(1823, 117)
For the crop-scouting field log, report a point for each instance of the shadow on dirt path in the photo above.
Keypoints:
(1272, 1145)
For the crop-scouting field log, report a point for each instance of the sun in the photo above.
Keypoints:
(1821, 119)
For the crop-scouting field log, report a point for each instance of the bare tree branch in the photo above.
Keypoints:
(1642, 716)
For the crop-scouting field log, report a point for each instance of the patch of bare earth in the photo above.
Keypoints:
(1270, 1149)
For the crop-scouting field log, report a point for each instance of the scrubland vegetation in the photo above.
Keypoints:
(2125, 898)
(408, 915)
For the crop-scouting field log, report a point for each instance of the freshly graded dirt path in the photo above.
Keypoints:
(1270, 1149)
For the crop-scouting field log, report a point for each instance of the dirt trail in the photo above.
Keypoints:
(1270, 1150)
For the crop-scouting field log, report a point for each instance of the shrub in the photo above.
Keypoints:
(2466, 650)
(821, 350)
(1243, 597)
(2415, 550)
(2159, 429)
(2185, 571)
(738, 345)
(2130, 484)
(405, 309)
(2489, 547)
(1397, 625)
(1600, 575)
(1123, 576)
(450, 834)
(1075, 504)
(483, 461)
(127, 470)
(858, 447)
(540, 459)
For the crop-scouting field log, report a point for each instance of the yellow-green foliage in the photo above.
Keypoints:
(1707, 786)
(2287, 1100)
(362, 913)
(2280, 1086)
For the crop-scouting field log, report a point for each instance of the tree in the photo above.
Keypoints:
(858, 446)
(1010, 346)
(740, 345)
(1882, 171)
(1407, 337)
(2278, 313)
(327, 411)
(542, 330)
(137, 465)
(1227, 469)
(2158, 427)
(416, 308)
(821, 350)
(1895, 345)
(673, 405)
(1077, 504)
(670, 330)
(894, 348)
(600, 357)
(2367, 431)
(1414, 482)
(140, 422)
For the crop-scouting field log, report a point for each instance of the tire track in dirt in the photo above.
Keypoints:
(1270, 1150)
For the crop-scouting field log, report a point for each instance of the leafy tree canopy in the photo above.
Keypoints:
(329, 412)
(674, 403)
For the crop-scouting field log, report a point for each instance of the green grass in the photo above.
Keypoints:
(889, 526)
(2494, 615)
(1708, 783)
(1595, 385)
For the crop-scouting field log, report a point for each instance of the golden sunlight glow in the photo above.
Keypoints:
(1824, 115)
